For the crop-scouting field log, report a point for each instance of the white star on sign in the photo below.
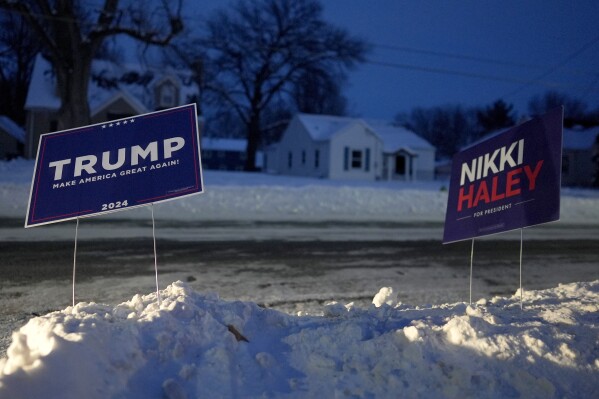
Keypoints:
(103, 126)
(132, 120)
(124, 122)
(118, 123)
(110, 125)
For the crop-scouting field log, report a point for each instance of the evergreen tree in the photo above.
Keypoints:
(497, 116)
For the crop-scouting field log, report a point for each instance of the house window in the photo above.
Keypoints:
(316, 159)
(207, 154)
(356, 159)
(167, 96)
(346, 158)
(303, 157)
(289, 160)
(220, 154)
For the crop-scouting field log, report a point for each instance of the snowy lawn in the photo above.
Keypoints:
(238, 197)
(197, 346)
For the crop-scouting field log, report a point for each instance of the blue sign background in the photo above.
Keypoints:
(54, 200)
(542, 142)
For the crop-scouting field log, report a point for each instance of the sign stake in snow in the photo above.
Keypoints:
(75, 258)
(155, 255)
(471, 261)
(115, 166)
(508, 182)
(521, 244)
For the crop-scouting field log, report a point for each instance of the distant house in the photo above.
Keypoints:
(406, 156)
(115, 91)
(349, 148)
(578, 166)
(226, 154)
(12, 138)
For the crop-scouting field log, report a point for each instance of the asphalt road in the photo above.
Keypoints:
(293, 276)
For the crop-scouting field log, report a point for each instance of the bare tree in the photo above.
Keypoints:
(447, 127)
(71, 32)
(316, 92)
(18, 48)
(258, 51)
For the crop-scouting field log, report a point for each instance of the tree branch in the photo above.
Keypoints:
(106, 26)
(27, 13)
(227, 96)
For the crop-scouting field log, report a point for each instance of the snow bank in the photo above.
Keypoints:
(197, 346)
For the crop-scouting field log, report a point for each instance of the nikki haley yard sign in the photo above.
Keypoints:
(115, 166)
(508, 182)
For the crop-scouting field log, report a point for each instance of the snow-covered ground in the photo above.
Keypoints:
(194, 345)
(242, 197)
(186, 347)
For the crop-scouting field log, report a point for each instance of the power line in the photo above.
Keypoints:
(554, 68)
(455, 56)
(442, 71)
(467, 57)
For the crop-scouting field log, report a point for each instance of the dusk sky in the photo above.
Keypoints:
(428, 53)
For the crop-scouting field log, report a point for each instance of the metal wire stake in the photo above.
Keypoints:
(521, 230)
(471, 259)
(155, 255)
(75, 258)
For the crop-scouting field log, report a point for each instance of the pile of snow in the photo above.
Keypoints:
(197, 346)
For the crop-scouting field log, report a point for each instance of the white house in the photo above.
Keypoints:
(226, 154)
(337, 147)
(12, 138)
(579, 163)
(406, 156)
(115, 91)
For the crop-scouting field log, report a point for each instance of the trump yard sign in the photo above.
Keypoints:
(116, 165)
(507, 182)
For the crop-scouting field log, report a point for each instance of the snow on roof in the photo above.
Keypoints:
(575, 139)
(42, 93)
(233, 145)
(108, 79)
(323, 127)
(395, 138)
(98, 103)
(223, 144)
(12, 128)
